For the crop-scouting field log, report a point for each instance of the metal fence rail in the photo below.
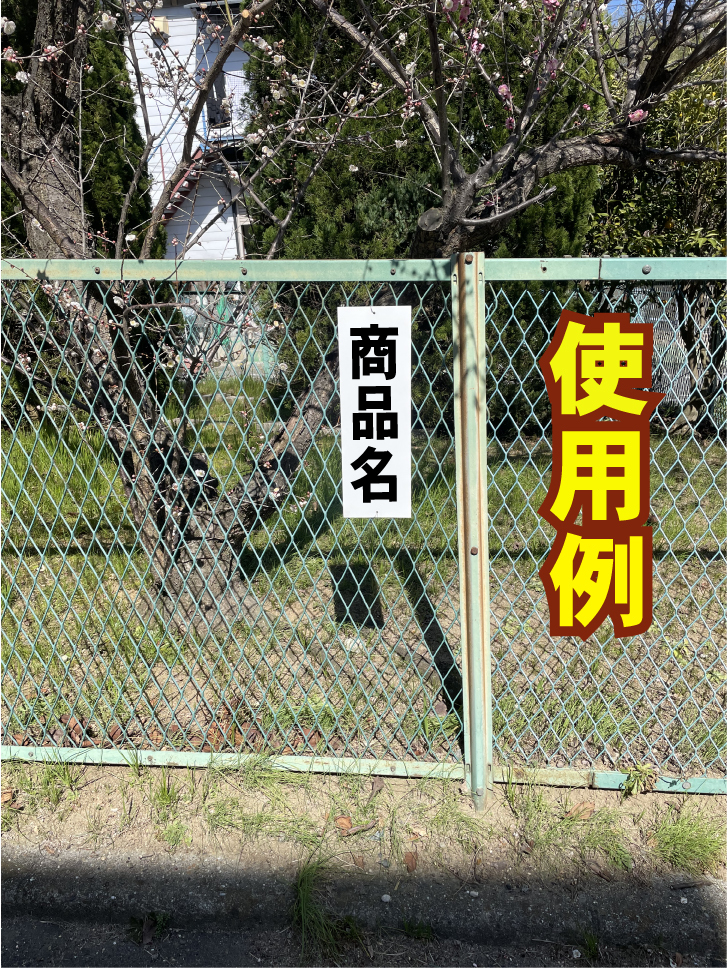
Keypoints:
(179, 582)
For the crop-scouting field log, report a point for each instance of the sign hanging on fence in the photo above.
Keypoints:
(374, 345)
(594, 369)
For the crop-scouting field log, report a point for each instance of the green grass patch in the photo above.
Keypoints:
(547, 831)
(227, 813)
(689, 841)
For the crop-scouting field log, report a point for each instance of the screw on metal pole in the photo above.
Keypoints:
(97, 270)
(473, 551)
(468, 258)
(244, 271)
(646, 270)
(393, 271)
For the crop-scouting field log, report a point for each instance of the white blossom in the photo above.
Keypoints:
(352, 168)
(8, 26)
(400, 144)
(402, 38)
(22, 77)
(411, 67)
(279, 59)
(131, 237)
(108, 22)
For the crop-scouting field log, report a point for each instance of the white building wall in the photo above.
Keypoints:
(165, 100)
(197, 211)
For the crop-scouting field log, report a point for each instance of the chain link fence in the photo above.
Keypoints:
(178, 576)
(610, 703)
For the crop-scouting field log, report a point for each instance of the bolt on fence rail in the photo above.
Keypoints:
(179, 583)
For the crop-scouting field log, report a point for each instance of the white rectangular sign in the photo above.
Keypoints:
(374, 345)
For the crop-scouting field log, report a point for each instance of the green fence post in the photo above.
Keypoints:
(468, 312)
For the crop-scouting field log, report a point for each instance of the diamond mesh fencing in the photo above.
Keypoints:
(177, 571)
(178, 576)
(610, 703)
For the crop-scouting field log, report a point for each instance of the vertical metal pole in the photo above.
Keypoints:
(468, 312)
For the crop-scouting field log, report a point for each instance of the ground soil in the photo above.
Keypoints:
(79, 878)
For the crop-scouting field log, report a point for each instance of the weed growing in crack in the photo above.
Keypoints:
(321, 933)
(589, 945)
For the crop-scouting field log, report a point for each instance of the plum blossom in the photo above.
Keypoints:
(10, 56)
(504, 91)
(510, 124)
(586, 107)
(108, 22)
(551, 66)
(474, 40)
(464, 7)
(400, 144)
(353, 168)
(279, 59)
(8, 26)
(23, 77)
(638, 115)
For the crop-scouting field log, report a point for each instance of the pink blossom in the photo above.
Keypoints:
(464, 7)
(510, 124)
(638, 115)
(504, 91)
(586, 107)
(551, 66)
(474, 40)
